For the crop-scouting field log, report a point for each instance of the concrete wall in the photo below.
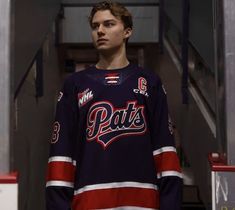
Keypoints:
(5, 85)
(201, 25)
(195, 136)
(121, 1)
(145, 18)
(32, 21)
(33, 125)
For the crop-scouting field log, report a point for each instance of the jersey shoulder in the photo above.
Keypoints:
(151, 76)
(77, 77)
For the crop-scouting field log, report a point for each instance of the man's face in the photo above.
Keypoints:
(108, 32)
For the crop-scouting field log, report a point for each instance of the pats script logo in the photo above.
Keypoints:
(106, 123)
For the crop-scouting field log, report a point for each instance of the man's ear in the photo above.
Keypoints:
(127, 33)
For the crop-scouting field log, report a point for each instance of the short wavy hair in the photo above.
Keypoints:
(117, 10)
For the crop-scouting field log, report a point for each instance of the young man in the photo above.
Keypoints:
(112, 145)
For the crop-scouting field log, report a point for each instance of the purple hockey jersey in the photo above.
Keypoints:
(112, 145)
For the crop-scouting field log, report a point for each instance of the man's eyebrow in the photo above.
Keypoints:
(109, 20)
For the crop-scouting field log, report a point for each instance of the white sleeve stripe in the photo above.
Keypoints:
(164, 149)
(169, 173)
(116, 185)
(59, 184)
(62, 159)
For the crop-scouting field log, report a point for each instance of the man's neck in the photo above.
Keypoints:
(115, 60)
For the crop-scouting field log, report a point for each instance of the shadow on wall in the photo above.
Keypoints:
(33, 125)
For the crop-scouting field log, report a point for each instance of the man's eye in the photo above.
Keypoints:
(94, 27)
(109, 24)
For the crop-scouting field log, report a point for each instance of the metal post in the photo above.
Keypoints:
(229, 76)
(219, 75)
(5, 85)
(185, 35)
(161, 25)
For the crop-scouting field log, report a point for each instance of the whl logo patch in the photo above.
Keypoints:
(106, 124)
(84, 97)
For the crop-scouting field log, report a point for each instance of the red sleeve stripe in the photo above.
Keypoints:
(62, 159)
(169, 173)
(164, 149)
(117, 197)
(167, 161)
(60, 171)
(59, 184)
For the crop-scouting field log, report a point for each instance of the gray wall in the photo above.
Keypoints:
(201, 33)
(33, 126)
(173, 9)
(32, 21)
(201, 25)
(5, 85)
(195, 136)
(144, 18)
(95, 1)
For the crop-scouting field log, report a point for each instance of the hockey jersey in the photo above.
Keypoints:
(112, 145)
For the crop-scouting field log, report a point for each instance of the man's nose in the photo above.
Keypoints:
(100, 30)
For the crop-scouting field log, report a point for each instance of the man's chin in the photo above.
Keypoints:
(103, 49)
(106, 49)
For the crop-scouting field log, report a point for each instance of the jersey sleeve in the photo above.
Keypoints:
(62, 161)
(165, 157)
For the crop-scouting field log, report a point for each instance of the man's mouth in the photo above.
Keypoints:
(101, 40)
